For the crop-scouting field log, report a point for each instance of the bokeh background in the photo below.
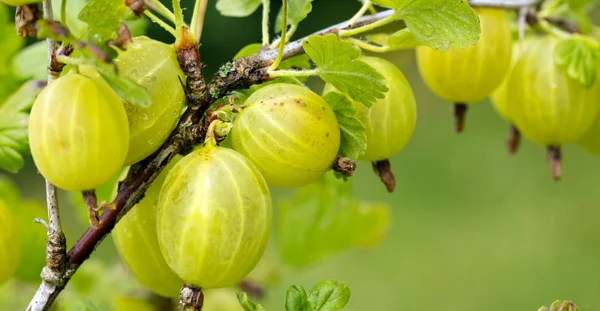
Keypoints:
(472, 227)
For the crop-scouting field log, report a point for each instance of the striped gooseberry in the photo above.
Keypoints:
(390, 122)
(214, 217)
(78, 132)
(137, 242)
(289, 132)
(465, 76)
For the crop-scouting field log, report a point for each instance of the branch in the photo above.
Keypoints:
(242, 74)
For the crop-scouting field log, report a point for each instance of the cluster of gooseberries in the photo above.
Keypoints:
(527, 88)
(206, 219)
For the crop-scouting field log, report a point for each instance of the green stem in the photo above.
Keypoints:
(63, 13)
(71, 60)
(293, 73)
(360, 13)
(367, 46)
(265, 22)
(161, 9)
(547, 27)
(178, 15)
(284, 26)
(160, 22)
(289, 35)
(372, 9)
(365, 28)
(198, 18)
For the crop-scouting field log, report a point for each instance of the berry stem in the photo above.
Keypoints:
(157, 6)
(555, 161)
(198, 18)
(284, 26)
(460, 113)
(63, 13)
(265, 22)
(368, 27)
(365, 6)
(514, 139)
(160, 22)
(367, 46)
(178, 15)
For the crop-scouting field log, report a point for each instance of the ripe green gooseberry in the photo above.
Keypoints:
(390, 122)
(289, 132)
(78, 132)
(153, 65)
(500, 96)
(137, 242)
(470, 75)
(10, 247)
(214, 217)
(546, 105)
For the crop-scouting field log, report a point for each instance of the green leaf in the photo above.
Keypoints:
(400, 40)
(129, 90)
(10, 44)
(13, 126)
(353, 134)
(296, 299)
(9, 192)
(322, 219)
(247, 304)
(298, 10)
(338, 64)
(103, 17)
(438, 24)
(76, 26)
(579, 57)
(329, 296)
(248, 50)
(31, 62)
(237, 8)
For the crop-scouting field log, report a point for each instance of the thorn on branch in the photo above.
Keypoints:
(554, 161)
(344, 166)
(41, 222)
(383, 169)
(26, 16)
(191, 298)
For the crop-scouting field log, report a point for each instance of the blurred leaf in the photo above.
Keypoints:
(247, 304)
(338, 64)
(14, 124)
(298, 10)
(237, 8)
(400, 40)
(76, 26)
(103, 17)
(322, 219)
(438, 24)
(296, 299)
(329, 296)
(353, 140)
(9, 192)
(10, 44)
(33, 240)
(579, 57)
(138, 26)
(31, 62)
(130, 303)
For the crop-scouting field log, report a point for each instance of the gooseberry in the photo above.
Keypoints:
(289, 132)
(78, 132)
(464, 76)
(214, 217)
(390, 122)
(137, 242)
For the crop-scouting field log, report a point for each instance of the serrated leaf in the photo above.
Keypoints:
(31, 62)
(338, 64)
(296, 299)
(322, 219)
(129, 90)
(329, 295)
(298, 10)
(103, 17)
(353, 140)
(438, 24)
(247, 304)
(579, 58)
(237, 8)
(14, 140)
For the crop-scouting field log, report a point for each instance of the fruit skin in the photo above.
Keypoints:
(391, 121)
(19, 2)
(214, 217)
(10, 250)
(591, 140)
(290, 133)
(137, 242)
(500, 96)
(547, 106)
(153, 65)
(470, 75)
(78, 133)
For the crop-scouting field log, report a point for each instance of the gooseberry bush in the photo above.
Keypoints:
(180, 167)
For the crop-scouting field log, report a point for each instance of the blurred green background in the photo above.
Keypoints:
(473, 228)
